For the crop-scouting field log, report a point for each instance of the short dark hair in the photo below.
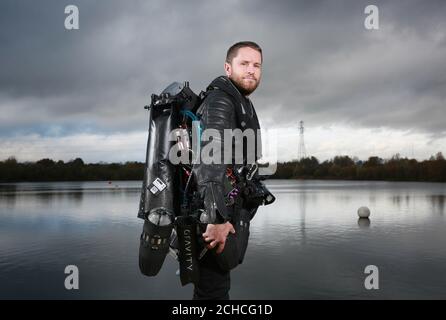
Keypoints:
(233, 50)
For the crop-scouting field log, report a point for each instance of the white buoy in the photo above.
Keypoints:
(363, 212)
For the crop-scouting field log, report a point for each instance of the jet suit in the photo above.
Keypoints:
(224, 107)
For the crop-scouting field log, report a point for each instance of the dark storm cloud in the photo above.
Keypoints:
(321, 65)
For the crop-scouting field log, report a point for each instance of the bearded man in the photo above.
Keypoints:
(227, 106)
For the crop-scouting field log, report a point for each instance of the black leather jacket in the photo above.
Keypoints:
(224, 108)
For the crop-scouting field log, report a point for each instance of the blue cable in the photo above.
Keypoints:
(192, 116)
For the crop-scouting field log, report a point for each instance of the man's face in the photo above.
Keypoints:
(245, 70)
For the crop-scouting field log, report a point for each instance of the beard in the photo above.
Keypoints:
(246, 87)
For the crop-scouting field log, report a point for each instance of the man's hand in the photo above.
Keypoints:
(216, 235)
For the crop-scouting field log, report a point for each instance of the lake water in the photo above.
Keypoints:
(309, 244)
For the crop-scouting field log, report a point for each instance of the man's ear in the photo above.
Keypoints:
(228, 69)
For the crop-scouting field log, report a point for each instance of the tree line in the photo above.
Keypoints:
(75, 170)
(340, 167)
(374, 168)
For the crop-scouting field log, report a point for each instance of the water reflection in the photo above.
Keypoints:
(302, 205)
(364, 223)
(70, 192)
(396, 199)
(438, 203)
(311, 238)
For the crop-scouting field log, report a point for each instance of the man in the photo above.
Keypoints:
(227, 106)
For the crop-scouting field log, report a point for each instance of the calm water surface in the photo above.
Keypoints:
(308, 245)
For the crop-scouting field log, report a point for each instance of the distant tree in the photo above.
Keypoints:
(77, 162)
(306, 167)
(11, 160)
(373, 162)
(343, 161)
(46, 162)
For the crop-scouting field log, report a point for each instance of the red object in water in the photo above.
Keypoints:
(109, 182)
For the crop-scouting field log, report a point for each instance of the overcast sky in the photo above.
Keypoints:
(80, 93)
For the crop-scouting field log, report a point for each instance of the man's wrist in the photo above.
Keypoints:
(228, 226)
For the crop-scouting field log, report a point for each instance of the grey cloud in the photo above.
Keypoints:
(321, 65)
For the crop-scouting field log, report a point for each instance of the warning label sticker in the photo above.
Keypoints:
(159, 184)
